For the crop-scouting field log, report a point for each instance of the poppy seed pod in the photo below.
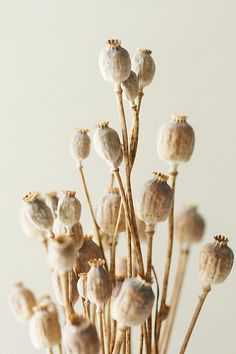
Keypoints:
(38, 212)
(108, 210)
(215, 261)
(61, 253)
(22, 302)
(82, 285)
(69, 210)
(175, 140)
(98, 283)
(155, 200)
(107, 144)
(80, 145)
(44, 327)
(80, 336)
(89, 250)
(73, 295)
(130, 88)
(28, 228)
(51, 200)
(131, 302)
(46, 301)
(189, 226)
(144, 67)
(76, 234)
(114, 62)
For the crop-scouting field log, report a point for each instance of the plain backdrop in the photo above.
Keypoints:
(50, 83)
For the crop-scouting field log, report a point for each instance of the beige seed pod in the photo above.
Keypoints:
(107, 144)
(80, 145)
(89, 250)
(61, 253)
(215, 261)
(69, 210)
(130, 88)
(73, 294)
(108, 210)
(82, 285)
(155, 200)
(175, 140)
(45, 331)
(46, 301)
(76, 235)
(80, 336)
(131, 302)
(121, 268)
(144, 67)
(22, 302)
(189, 226)
(28, 228)
(38, 212)
(98, 283)
(114, 62)
(51, 200)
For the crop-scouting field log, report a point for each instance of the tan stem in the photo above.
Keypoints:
(128, 340)
(130, 223)
(49, 351)
(124, 344)
(178, 283)
(163, 306)
(111, 184)
(113, 247)
(88, 199)
(156, 309)
(119, 340)
(134, 136)
(196, 313)
(149, 237)
(64, 280)
(108, 343)
(141, 340)
(100, 319)
(59, 348)
(139, 100)
(145, 336)
(113, 335)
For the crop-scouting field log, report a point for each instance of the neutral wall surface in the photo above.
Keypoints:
(50, 83)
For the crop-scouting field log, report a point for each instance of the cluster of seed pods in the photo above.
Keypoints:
(118, 292)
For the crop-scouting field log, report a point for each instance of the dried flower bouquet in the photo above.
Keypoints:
(116, 293)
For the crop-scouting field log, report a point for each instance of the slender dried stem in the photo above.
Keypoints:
(139, 100)
(108, 342)
(149, 237)
(156, 310)
(100, 319)
(113, 335)
(97, 230)
(128, 340)
(64, 279)
(134, 136)
(49, 351)
(113, 247)
(163, 306)
(141, 340)
(119, 340)
(111, 184)
(196, 313)
(59, 348)
(178, 282)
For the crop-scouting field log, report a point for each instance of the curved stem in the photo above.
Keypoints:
(196, 313)
(163, 306)
(80, 169)
(178, 283)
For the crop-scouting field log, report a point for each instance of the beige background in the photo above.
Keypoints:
(50, 83)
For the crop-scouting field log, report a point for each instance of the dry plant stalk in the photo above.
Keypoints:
(120, 289)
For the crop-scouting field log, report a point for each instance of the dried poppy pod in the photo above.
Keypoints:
(38, 212)
(175, 140)
(28, 228)
(44, 327)
(108, 210)
(189, 226)
(215, 261)
(51, 200)
(80, 145)
(144, 67)
(107, 144)
(46, 301)
(89, 250)
(22, 302)
(98, 283)
(155, 200)
(82, 285)
(80, 336)
(130, 88)
(114, 62)
(73, 294)
(61, 253)
(131, 303)
(69, 210)
(121, 268)
(76, 234)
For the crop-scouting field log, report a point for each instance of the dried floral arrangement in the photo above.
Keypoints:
(117, 293)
